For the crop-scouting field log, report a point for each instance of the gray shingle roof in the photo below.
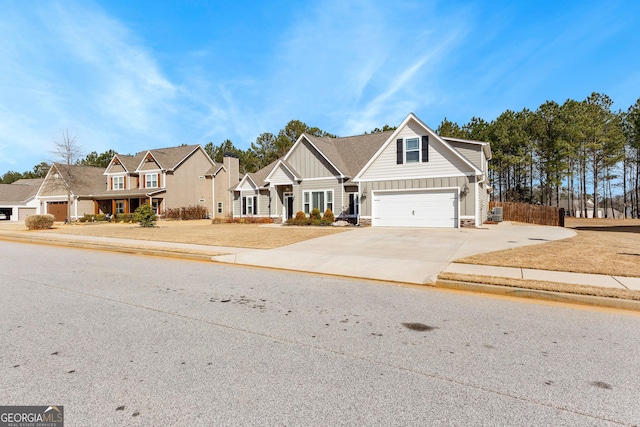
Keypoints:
(259, 176)
(88, 180)
(17, 193)
(36, 182)
(350, 154)
(170, 158)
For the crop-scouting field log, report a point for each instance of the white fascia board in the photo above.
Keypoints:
(115, 156)
(342, 175)
(217, 171)
(244, 179)
(144, 159)
(280, 162)
(393, 136)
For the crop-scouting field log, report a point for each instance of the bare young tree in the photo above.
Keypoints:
(67, 153)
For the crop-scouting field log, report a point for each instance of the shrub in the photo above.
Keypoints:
(101, 217)
(315, 214)
(145, 216)
(186, 213)
(300, 215)
(126, 217)
(88, 218)
(219, 220)
(328, 217)
(249, 220)
(39, 222)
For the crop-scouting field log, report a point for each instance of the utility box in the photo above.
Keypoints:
(496, 214)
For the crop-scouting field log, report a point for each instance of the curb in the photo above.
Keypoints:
(111, 248)
(563, 297)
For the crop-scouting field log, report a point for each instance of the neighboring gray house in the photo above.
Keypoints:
(18, 199)
(410, 177)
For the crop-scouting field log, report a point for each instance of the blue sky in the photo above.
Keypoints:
(134, 75)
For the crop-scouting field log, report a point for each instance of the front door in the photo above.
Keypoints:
(288, 206)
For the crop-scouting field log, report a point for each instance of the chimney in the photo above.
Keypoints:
(232, 165)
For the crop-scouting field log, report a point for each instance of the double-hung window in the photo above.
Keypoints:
(320, 200)
(249, 205)
(151, 180)
(412, 150)
(118, 182)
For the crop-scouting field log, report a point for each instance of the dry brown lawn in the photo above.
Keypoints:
(201, 232)
(544, 285)
(601, 246)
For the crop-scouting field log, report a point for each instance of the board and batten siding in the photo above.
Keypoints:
(442, 162)
(467, 202)
(306, 161)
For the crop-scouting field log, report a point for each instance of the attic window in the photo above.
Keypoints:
(412, 150)
(201, 177)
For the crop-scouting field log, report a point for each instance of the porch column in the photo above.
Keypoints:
(96, 210)
(126, 205)
(113, 206)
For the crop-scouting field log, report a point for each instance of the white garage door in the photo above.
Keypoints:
(425, 208)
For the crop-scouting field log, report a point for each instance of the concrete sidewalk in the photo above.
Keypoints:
(600, 280)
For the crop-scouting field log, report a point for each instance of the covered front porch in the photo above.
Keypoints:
(127, 205)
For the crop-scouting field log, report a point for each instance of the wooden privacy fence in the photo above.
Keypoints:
(532, 214)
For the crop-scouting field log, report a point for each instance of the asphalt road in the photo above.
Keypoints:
(130, 340)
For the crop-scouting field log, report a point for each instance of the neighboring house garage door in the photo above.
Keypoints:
(23, 213)
(408, 208)
(58, 210)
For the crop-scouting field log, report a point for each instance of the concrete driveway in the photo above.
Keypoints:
(411, 255)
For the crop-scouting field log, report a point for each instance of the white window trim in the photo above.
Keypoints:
(122, 180)
(149, 175)
(254, 209)
(308, 200)
(418, 149)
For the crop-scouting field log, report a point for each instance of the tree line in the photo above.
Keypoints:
(580, 152)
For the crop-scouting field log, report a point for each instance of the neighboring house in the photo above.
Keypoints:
(166, 178)
(409, 177)
(83, 182)
(18, 199)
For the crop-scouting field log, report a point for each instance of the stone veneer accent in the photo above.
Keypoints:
(467, 223)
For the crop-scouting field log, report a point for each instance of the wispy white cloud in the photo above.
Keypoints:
(71, 66)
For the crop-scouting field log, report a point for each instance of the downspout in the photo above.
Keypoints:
(477, 199)
(359, 204)
(213, 196)
(342, 200)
